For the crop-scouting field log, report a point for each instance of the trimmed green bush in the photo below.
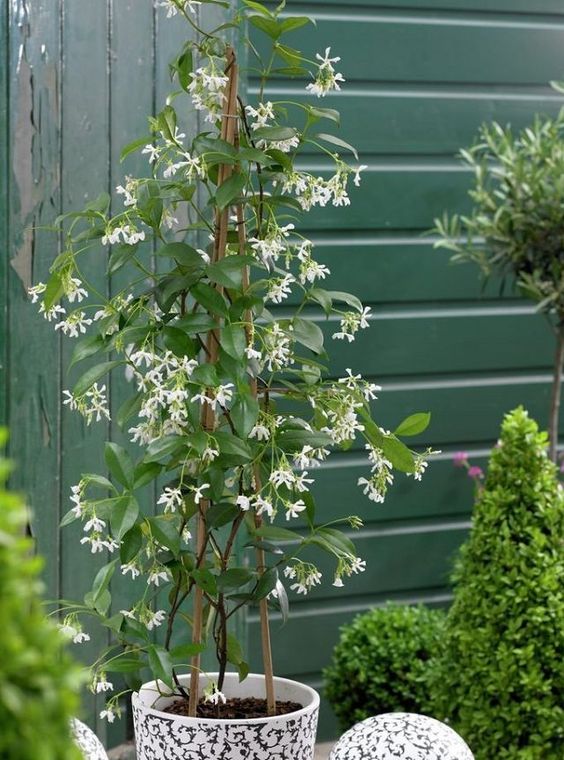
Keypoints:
(500, 678)
(380, 663)
(38, 682)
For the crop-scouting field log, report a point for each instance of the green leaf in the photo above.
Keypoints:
(133, 146)
(308, 334)
(274, 134)
(338, 540)
(232, 448)
(123, 516)
(205, 374)
(86, 347)
(267, 583)
(178, 342)
(322, 297)
(68, 518)
(244, 411)
(54, 290)
(398, 454)
(184, 254)
(149, 203)
(256, 156)
(234, 341)
(129, 407)
(338, 142)
(183, 653)
(145, 473)
(230, 189)
(235, 577)
(196, 323)
(414, 424)
(221, 514)
(267, 25)
(274, 533)
(229, 271)
(123, 665)
(98, 480)
(295, 22)
(259, 7)
(165, 528)
(295, 440)
(210, 299)
(348, 298)
(205, 580)
(92, 375)
(102, 580)
(161, 664)
(325, 113)
(119, 463)
(164, 447)
(131, 544)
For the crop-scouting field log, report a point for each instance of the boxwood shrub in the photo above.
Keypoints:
(380, 663)
(500, 678)
(38, 682)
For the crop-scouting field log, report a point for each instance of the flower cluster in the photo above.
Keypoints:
(326, 79)
(92, 404)
(207, 89)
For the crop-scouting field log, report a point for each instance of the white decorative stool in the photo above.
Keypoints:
(87, 741)
(401, 736)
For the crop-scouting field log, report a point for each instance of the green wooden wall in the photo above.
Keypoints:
(79, 76)
(421, 77)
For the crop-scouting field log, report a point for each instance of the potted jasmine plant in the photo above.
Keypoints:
(231, 405)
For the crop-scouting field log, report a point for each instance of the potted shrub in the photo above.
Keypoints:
(499, 676)
(516, 225)
(38, 680)
(381, 661)
(231, 404)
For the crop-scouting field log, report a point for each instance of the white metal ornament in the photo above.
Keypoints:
(401, 736)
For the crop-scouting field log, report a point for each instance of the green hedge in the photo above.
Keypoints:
(500, 678)
(380, 663)
(38, 683)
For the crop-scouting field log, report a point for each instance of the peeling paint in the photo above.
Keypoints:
(35, 105)
(22, 262)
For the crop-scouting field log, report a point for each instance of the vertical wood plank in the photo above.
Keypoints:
(85, 173)
(4, 213)
(132, 98)
(34, 193)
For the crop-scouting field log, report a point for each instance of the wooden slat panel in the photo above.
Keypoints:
(4, 216)
(132, 96)
(295, 659)
(399, 196)
(424, 119)
(436, 49)
(387, 269)
(85, 174)
(34, 190)
(528, 7)
(444, 492)
(424, 342)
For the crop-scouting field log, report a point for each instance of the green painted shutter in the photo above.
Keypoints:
(421, 77)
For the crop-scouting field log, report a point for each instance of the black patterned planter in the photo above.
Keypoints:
(161, 736)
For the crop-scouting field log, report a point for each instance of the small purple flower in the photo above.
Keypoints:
(475, 472)
(460, 459)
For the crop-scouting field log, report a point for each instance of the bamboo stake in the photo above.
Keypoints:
(228, 131)
(261, 561)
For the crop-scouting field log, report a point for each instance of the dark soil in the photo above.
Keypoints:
(235, 708)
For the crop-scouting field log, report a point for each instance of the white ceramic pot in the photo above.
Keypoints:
(162, 736)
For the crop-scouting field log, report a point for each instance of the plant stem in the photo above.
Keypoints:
(556, 392)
